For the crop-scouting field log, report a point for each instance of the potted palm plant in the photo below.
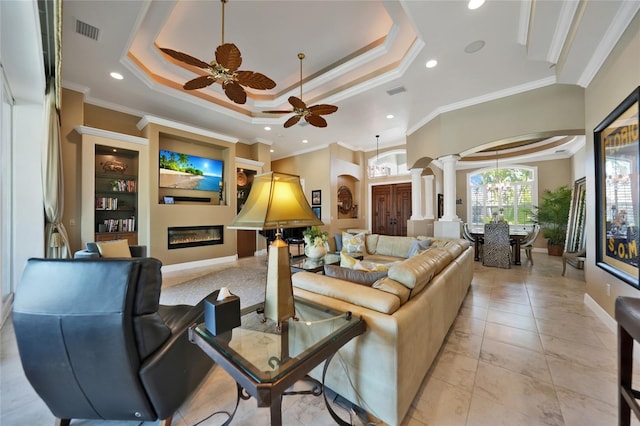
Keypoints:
(553, 216)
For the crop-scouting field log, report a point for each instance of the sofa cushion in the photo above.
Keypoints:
(415, 273)
(355, 276)
(371, 242)
(114, 248)
(393, 246)
(388, 285)
(353, 243)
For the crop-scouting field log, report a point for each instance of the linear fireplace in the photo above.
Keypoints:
(194, 236)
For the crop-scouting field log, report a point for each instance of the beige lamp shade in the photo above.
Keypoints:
(276, 200)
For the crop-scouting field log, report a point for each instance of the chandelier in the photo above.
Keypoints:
(378, 170)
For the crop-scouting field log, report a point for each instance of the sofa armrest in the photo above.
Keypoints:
(357, 294)
(85, 254)
(138, 251)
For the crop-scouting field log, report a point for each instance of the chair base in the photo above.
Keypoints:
(67, 422)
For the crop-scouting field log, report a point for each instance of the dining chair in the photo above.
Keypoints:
(497, 245)
(527, 243)
(466, 234)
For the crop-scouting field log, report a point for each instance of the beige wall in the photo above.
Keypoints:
(548, 111)
(619, 75)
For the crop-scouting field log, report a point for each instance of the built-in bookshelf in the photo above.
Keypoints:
(116, 194)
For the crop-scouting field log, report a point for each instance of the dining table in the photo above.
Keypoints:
(515, 236)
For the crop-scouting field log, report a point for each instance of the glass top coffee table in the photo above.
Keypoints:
(265, 360)
(314, 265)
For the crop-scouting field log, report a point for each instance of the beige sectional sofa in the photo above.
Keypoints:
(408, 315)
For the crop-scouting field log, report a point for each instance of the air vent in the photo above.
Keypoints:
(396, 90)
(87, 30)
(560, 151)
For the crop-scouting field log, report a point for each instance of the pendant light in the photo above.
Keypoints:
(376, 170)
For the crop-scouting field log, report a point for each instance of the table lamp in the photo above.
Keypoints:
(276, 201)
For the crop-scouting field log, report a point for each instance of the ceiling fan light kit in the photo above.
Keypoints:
(225, 70)
(311, 114)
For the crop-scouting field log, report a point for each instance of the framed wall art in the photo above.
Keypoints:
(617, 159)
(316, 197)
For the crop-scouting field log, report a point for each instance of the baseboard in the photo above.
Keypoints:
(602, 315)
(179, 267)
(262, 252)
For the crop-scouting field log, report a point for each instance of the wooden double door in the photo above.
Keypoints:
(391, 208)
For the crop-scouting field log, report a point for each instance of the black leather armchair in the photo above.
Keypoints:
(96, 344)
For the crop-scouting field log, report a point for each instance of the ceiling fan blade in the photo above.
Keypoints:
(293, 120)
(183, 57)
(323, 109)
(255, 80)
(199, 82)
(229, 56)
(277, 111)
(235, 92)
(297, 102)
(316, 120)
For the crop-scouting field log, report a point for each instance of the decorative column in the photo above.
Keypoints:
(449, 225)
(428, 197)
(416, 194)
(449, 177)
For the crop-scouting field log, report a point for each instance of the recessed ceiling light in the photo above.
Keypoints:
(473, 47)
(116, 75)
(474, 4)
(267, 128)
(272, 150)
(431, 63)
(390, 116)
(304, 141)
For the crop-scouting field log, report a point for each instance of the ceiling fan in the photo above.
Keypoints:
(224, 69)
(311, 114)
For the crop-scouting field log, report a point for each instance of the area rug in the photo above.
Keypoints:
(246, 283)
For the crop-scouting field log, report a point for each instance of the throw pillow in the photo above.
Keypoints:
(353, 243)
(358, 277)
(363, 265)
(338, 238)
(115, 248)
(347, 261)
(418, 246)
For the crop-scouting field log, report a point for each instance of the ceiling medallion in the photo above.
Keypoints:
(224, 70)
(311, 114)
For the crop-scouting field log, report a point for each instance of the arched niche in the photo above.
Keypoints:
(348, 197)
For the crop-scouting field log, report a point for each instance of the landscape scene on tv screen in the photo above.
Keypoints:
(185, 171)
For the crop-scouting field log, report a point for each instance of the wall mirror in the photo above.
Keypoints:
(576, 240)
(345, 200)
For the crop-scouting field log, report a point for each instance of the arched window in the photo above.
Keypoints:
(510, 192)
(392, 162)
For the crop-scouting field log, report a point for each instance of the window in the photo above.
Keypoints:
(511, 192)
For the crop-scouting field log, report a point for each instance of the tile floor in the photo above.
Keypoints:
(524, 350)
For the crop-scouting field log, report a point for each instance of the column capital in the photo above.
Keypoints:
(416, 172)
(452, 158)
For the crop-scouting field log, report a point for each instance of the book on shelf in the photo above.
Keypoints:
(124, 185)
(106, 203)
(120, 225)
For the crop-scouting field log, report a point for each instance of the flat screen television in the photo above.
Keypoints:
(184, 171)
